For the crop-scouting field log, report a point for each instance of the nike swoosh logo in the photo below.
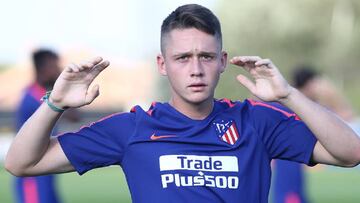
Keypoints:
(156, 137)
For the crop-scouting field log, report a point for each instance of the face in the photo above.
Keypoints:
(193, 62)
(50, 72)
(310, 89)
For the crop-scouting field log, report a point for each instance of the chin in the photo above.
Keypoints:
(198, 98)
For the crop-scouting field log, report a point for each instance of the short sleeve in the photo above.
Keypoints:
(283, 133)
(100, 144)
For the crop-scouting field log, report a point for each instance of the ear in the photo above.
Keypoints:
(224, 57)
(161, 64)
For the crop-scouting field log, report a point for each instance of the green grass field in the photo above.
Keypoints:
(334, 185)
(108, 185)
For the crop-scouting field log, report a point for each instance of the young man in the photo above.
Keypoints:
(193, 148)
(47, 70)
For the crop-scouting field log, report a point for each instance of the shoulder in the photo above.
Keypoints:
(36, 92)
(115, 119)
(254, 109)
(27, 105)
(271, 109)
(31, 96)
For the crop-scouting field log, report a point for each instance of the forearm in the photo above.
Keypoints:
(32, 140)
(334, 135)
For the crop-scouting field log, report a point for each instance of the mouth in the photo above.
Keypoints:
(197, 87)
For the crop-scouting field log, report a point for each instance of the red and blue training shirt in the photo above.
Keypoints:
(169, 157)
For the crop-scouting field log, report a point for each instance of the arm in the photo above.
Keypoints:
(33, 152)
(337, 143)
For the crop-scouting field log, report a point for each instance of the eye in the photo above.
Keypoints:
(206, 58)
(183, 58)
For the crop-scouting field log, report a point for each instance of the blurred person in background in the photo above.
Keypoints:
(320, 89)
(289, 180)
(40, 189)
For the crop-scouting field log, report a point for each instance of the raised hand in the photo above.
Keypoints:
(71, 89)
(268, 84)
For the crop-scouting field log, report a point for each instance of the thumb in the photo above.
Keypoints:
(246, 83)
(92, 94)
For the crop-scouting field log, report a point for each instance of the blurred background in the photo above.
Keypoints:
(323, 33)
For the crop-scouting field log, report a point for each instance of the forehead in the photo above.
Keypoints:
(190, 40)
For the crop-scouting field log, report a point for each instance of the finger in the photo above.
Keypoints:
(95, 60)
(85, 65)
(92, 94)
(68, 69)
(99, 67)
(237, 61)
(245, 60)
(250, 59)
(75, 68)
(265, 62)
(72, 68)
(246, 83)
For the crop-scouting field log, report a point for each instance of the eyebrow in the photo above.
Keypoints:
(202, 53)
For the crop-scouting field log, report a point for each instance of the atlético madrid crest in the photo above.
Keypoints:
(226, 130)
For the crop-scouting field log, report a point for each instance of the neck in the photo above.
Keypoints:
(196, 111)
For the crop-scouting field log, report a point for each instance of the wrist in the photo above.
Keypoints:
(55, 106)
(290, 97)
(56, 102)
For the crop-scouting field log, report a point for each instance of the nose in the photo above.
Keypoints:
(196, 68)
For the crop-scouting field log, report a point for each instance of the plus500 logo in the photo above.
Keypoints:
(221, 164)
